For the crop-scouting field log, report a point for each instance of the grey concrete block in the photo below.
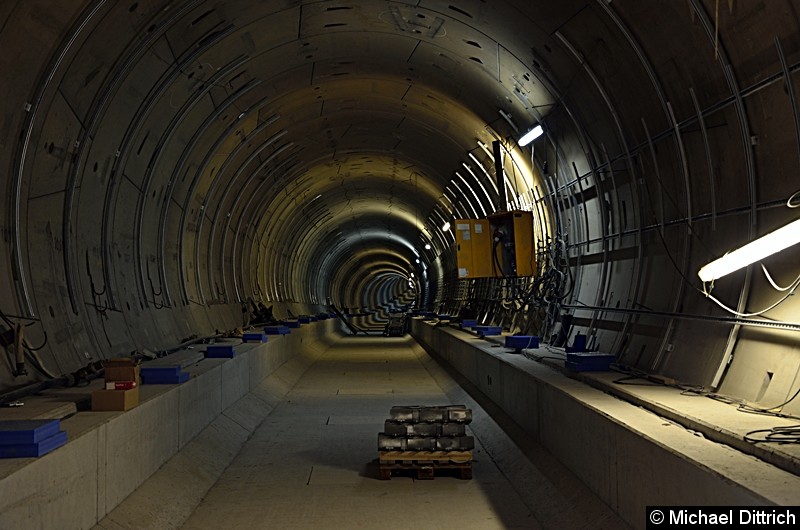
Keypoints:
(138, 443)
(200, 402)
(57, 490)
(235, 378)
(169, 496)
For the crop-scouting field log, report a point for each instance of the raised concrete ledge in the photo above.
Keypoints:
(629, 457)
(717, 420)
(110, 454)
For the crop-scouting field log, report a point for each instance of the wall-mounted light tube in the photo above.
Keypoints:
(531, 135)
(752, 252)
(446, 226)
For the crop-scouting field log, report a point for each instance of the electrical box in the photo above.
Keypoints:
(474, 248)
(513, 247)
(464, 248)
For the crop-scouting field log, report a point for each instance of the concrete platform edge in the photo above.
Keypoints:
(629, 457)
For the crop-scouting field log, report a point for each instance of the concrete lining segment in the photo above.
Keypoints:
(110, 454)
(629, 457)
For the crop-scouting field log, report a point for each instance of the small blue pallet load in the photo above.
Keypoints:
(163, 375)
(588, 362)
(254, 337)
(291, 323)
(220, 351)
(30, 438)
(578, 344)
(488, 331)
(522, 342)
(466, 324)
(277, 330)
(304, 320)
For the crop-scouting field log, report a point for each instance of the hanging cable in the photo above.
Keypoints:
(795, 284)
(794, 200)
(774, 285)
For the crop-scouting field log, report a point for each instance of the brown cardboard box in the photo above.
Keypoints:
(105, 400)
(121, 369)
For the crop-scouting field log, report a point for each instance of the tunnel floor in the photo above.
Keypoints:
(313, 462)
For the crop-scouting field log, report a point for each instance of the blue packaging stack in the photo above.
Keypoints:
(291, 323)
(304, 320)
(163, 375)
(254, 337)
(578, 345)
(468, 323)
(323, 316)
(276, 330)
(488, 331)
(220, 351)
(30, 438)
(589, 361)
(520, 342)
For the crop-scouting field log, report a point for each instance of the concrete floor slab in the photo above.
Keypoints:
(313, 462)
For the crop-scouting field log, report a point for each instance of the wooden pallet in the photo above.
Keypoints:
(424, 464)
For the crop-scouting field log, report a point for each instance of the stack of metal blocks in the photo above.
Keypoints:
(423, 439)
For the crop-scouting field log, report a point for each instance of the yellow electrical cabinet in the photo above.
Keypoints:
(474, 248)
(513, 253)
(498, 247)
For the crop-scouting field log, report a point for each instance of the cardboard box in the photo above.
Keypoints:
(108, 400)
(121, 369)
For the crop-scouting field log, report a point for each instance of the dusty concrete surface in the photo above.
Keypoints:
(311, 463)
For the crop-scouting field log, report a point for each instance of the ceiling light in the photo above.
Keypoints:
(417, 260)
(531, 135)
(446, 226)
(427, 246)
(754, 251)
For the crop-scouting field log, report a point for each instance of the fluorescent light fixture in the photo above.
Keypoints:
(531, 135)
(417, 260)
(446, 226)
(752, 252)
(412, 274)
(427, 246)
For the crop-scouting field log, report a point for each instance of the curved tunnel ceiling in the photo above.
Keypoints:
(185, 157)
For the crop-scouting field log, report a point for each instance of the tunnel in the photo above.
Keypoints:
(172, 166)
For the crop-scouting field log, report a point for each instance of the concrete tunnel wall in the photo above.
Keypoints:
(165, 163)
(163, 166)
